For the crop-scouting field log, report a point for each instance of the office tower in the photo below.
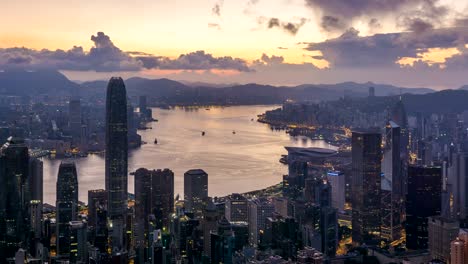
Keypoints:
(142, 103)
(96, 198)
(236, 208)
(142, 206)
(67, 206)
(318, 191)
(459, 248)
(134, 140)
(211, 217)
(458, 184)
(399, 116)
(422, 201)
(74, 117)
(15, 196)
(162, 196)
(259, 210)
(366, 181)
(392, 185)
(329, 230)
(222, 243)
(441, 232)
(338, 185)
(36, 185)
(78, 242)
(116, 160)
(195, 190)
(154, 195)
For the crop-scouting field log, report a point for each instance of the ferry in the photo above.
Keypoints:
(203, 133)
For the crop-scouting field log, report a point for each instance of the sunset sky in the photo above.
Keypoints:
(281, 42)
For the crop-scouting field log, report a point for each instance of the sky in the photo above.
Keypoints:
(411, 43)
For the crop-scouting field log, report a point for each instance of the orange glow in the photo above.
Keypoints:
(431, 57)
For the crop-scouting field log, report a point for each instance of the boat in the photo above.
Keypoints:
(252, 119)
(203, 133)
(284, 159)
(155, 141)
(233, 132)
(207, 109)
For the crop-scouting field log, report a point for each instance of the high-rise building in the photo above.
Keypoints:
(366, 181)
(78, 242)
(154, 195)
(211, 217)
(74, 117)
(36, 185)
(116, 160)
(459, 248)
(15, 196)
(67, 206)
(259, 210)
(195, 190)
(222, 243)
(162, 196)
(338, 184)
(441, 232)
(458, 184)
(422, 201)
(236, 208)
(392, 185)
(96, 198)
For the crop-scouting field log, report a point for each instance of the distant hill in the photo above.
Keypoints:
(446, 101)
(35, 83)
(172, 92)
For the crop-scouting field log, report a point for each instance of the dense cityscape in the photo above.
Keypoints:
(234, 132)
(391, 192)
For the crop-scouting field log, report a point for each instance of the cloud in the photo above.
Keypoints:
(216, 10)
(289, 27)
(418, 25)
(383, 50)
(104, 56)
(338, 15)
(198, 60)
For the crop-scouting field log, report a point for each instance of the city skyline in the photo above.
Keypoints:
(275, 42)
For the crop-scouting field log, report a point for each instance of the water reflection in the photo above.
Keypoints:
(240, 162)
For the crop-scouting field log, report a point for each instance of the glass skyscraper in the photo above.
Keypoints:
(116, 160)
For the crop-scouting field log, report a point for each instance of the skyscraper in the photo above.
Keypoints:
(36, 185)
(392, 191)
(423, 201)
(67, 206)
(14, 196)
(441, 232)
(195, 190)
(236, 208)
(116, 160)
(259, 210)
(337, 182)
(154, 195)
(366, 181)
(74, 117)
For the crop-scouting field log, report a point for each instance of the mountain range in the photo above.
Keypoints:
(165, 91)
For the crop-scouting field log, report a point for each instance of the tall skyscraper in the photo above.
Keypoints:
(116, 160)
(422, 201)
(162, 197)
(458, 184)
(67, 206)
(195, 190)
(366, 181)
(459, 248)
(392, 191)
(14, 197)
(36, 185)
